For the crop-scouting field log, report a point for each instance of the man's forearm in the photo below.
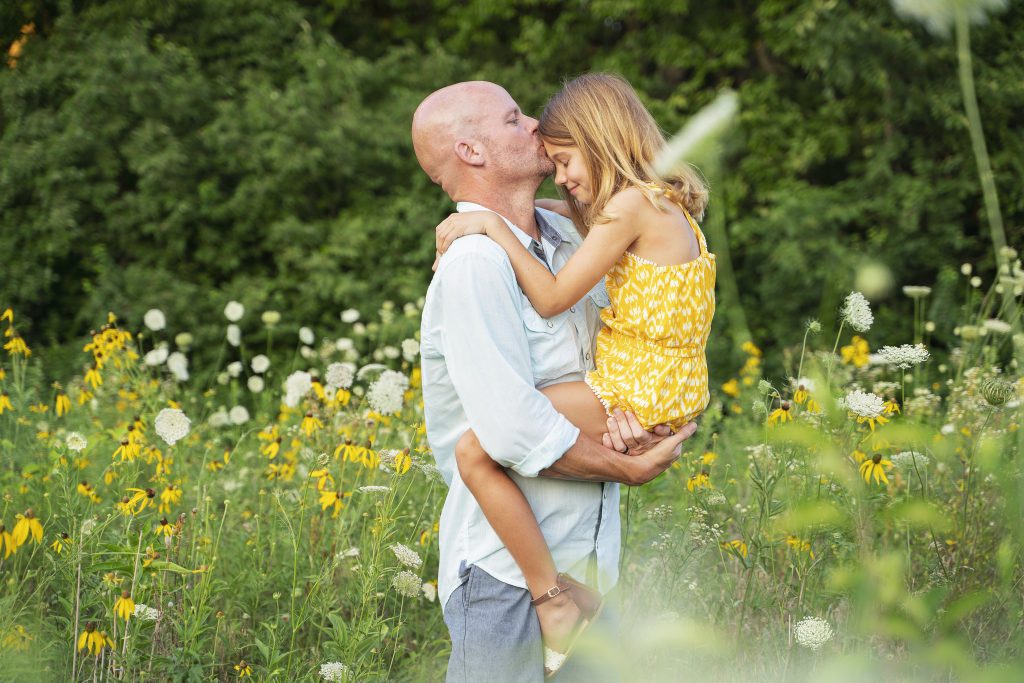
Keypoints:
(588, 460)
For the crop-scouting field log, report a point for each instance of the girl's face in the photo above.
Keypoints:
(570, 171)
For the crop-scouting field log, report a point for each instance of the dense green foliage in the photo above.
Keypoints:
(182, 154)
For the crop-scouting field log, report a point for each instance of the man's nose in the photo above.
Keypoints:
(531, 124)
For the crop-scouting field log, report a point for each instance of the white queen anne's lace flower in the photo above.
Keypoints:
(306, 335)
(255, 384)
(904, 356)
(410, 349)
(333, 671)
(407, 584)
(238, 415)
(146, 613)
(155, 357)
(997, 326)
(177, 363)
(812, 632)
(856, 312)
(406, 555)
(75, 442)
(864, 404)
(907, 460)
(171, 425)
(296, 386)
(386, 392)
(373, 489)
(154, 319)
(349, 315)
(340, 375)
(259, 363)
(234, 311)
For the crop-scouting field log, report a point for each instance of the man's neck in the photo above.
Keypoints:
(516, 206)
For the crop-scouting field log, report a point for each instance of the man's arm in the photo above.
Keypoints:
(588, 460)
(488, 359)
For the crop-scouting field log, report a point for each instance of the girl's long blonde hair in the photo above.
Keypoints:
(618, 139)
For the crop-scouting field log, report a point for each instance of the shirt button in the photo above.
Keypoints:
(588, 356)
(572, 309)
(550, 324)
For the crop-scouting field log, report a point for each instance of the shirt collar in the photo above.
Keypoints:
(548, 233)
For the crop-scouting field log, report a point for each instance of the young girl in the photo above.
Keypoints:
(641, 236)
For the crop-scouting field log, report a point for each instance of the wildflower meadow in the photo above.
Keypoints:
(213, 458)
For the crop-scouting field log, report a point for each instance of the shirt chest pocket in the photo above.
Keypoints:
(553, 349)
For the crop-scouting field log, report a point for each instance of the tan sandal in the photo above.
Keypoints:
(587, 600)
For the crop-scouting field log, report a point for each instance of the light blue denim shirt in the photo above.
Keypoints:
(485, 351)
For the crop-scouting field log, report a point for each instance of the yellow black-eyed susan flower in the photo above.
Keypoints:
(323, 478)
(124, 606)
(171, 495)
(736, 545)
(311, 424)
(60, 542)
(17, 638)
(701, 480)
(335, 499)
(891, 406)
(271, 448)
(93, 377)
(7, 543)
(243, 669)
(784, 413)
(140, 499)
(27, 525)
(164, 527)
(5, 402)
(403, 461)
(94, 640)
(856, 353)
(800, 545)
(16, 346)
(874, 467)
(63, 404)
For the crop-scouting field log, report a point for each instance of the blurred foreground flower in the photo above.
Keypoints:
(702, 128)
(938, 16)
(812, 632)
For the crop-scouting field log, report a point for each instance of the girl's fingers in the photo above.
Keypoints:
(615, 436)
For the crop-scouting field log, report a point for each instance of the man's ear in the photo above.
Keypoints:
(469, 152)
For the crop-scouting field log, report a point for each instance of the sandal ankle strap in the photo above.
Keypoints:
(551, 592)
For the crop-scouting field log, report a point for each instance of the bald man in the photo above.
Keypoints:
(485, 353)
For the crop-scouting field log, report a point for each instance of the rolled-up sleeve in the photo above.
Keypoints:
(488, 360)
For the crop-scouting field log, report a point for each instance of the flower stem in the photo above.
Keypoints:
(988, 185)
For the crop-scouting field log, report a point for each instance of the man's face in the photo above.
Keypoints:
(511, 138)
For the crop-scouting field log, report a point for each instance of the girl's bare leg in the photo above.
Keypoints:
(509, 513)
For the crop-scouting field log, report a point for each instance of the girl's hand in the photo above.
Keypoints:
(557, 205)
(460, 224)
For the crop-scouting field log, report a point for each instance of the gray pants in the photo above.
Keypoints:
(496, 636)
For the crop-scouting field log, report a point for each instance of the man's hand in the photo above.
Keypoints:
(660, 457)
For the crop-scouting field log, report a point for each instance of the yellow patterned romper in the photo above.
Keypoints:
(650, 357)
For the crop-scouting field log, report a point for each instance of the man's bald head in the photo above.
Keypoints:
(473, 132)
(446, 116)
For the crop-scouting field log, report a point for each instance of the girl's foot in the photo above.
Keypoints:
(558, 618)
